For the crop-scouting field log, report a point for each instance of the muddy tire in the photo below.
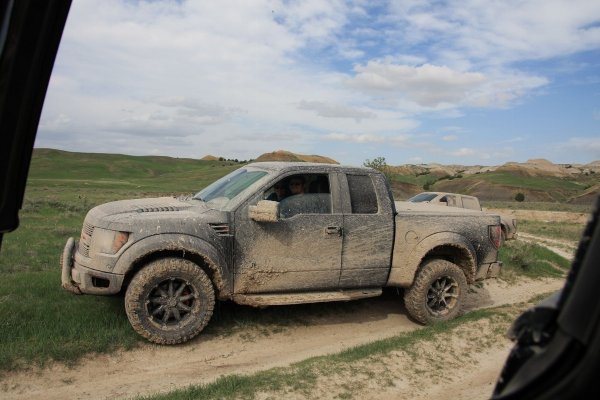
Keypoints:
(437, 293)
(169, 301)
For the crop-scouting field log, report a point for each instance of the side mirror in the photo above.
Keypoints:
(264, 211)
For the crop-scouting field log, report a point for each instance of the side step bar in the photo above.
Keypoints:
(278, 299)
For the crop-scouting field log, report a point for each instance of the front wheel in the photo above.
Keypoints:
(437, 293)
(169, 301)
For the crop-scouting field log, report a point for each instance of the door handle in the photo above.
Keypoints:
(334, 230)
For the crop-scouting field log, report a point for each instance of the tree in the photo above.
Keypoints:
(379, 164)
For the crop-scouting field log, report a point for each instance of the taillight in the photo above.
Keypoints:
(495, 235)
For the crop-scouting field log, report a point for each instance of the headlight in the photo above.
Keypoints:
(107, 241)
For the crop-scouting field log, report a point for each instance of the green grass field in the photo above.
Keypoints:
(567, 231)
(41, 322)
(530, 260)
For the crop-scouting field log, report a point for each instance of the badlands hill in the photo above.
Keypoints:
(537, 179)
(283, 155)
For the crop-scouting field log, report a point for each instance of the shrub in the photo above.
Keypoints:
(520, 197)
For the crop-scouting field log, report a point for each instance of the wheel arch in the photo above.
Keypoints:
(186, 247)
(460, 255)
(448, 246)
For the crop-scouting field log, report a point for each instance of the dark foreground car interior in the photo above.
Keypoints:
(557, 349)
(557, 344)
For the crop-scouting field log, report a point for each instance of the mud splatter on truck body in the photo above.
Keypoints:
(336, 234)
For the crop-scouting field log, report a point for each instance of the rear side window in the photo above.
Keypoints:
(471, 204)
(362, 194)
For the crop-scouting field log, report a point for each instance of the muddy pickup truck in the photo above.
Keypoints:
(334, 234)
(507, 223)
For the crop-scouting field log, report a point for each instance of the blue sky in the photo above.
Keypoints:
(469, 82)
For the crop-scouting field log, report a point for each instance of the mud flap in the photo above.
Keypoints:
(66, 261)
(494, 269)
(491, 270)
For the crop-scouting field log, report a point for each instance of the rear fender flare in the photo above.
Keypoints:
(450, 246)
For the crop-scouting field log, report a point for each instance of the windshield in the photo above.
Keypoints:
(422, 197)
(228, 187)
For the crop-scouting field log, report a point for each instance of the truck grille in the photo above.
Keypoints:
(221, 229)
(86, 238)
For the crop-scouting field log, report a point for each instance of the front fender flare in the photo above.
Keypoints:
(190, 246)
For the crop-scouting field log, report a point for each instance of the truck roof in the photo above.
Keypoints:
(305, 166)
(450, 193)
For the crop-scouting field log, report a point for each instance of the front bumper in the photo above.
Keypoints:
(78, 279)
(491, 270)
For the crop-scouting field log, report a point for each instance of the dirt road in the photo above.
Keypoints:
(152, 369)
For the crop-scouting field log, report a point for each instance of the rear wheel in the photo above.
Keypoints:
(169, 301)
(437, 293)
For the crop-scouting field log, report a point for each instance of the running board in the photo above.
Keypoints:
(278, 299)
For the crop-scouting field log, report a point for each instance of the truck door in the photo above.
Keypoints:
(368, 232)
(301, 251)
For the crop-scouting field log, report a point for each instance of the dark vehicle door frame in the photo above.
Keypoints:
(29, 38)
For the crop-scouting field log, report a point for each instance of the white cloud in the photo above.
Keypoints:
(463, 152)
(514, 140)
(440, 87)
(504, 88)
(335, 110)
(364, 138)
(449, 138)
(496, 33)
(588, 145)
(405, 140)
(427, 85)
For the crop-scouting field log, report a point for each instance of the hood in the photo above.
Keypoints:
(121, 215)
(140, 206)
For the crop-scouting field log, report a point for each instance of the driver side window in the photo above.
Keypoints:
(306, 194)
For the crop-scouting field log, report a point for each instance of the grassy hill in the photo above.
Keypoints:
(123, 173)
(112, 176)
